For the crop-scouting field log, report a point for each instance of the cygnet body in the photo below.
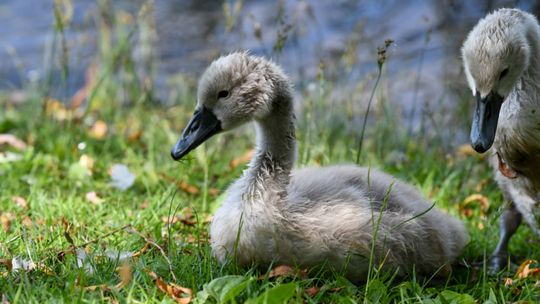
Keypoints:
(501, 56)
(311, 217)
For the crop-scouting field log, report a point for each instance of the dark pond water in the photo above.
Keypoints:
(423, 66)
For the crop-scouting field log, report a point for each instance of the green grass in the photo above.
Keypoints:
(60, 221)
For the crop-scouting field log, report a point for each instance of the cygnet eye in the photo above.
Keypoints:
(223, 94)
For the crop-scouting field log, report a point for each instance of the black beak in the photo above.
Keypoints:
(201, 127)
(485, 120)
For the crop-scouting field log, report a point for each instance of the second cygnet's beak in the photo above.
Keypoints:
(202, 126)
(484, 125)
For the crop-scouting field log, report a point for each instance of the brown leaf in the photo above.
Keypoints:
(508, 282)
(5, 220)
(27, 222)
(7, 263)
(180, 294)
(188, 221)
(312, 291)
(12, 141)
(94, 198)
(186, 217)
(213, 191)
(99, 130)
(135, 136)
(285, 271)
(125, 274)
(20, 201)
(244, 158)
(142, 250)
(184, 186)
(525, 270)
(79, 96)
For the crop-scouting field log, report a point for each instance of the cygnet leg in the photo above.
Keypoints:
(508, 224)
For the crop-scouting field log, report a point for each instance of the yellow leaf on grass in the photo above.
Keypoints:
(525, 270)
(99, 129)
(484, 202)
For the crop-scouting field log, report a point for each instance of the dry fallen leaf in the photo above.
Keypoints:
(180, 294)
(7, 263)
(244, 158)
(27, 222)
(186, 217)
(312, 291)
(465, 210)
(99, 129)
(94, 198)
(285, 271)
(12, 141)
(508, 282)
(135, 136)
(142, 250)
(125, 274)
(90, 79)
(525, 270)
(5, 220)
(20, 201)
(213, 191)
(184, 186)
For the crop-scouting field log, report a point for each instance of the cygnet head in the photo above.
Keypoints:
(234, 90)
(495, 54)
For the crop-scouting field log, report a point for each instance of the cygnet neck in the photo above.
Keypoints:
(275, 151)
